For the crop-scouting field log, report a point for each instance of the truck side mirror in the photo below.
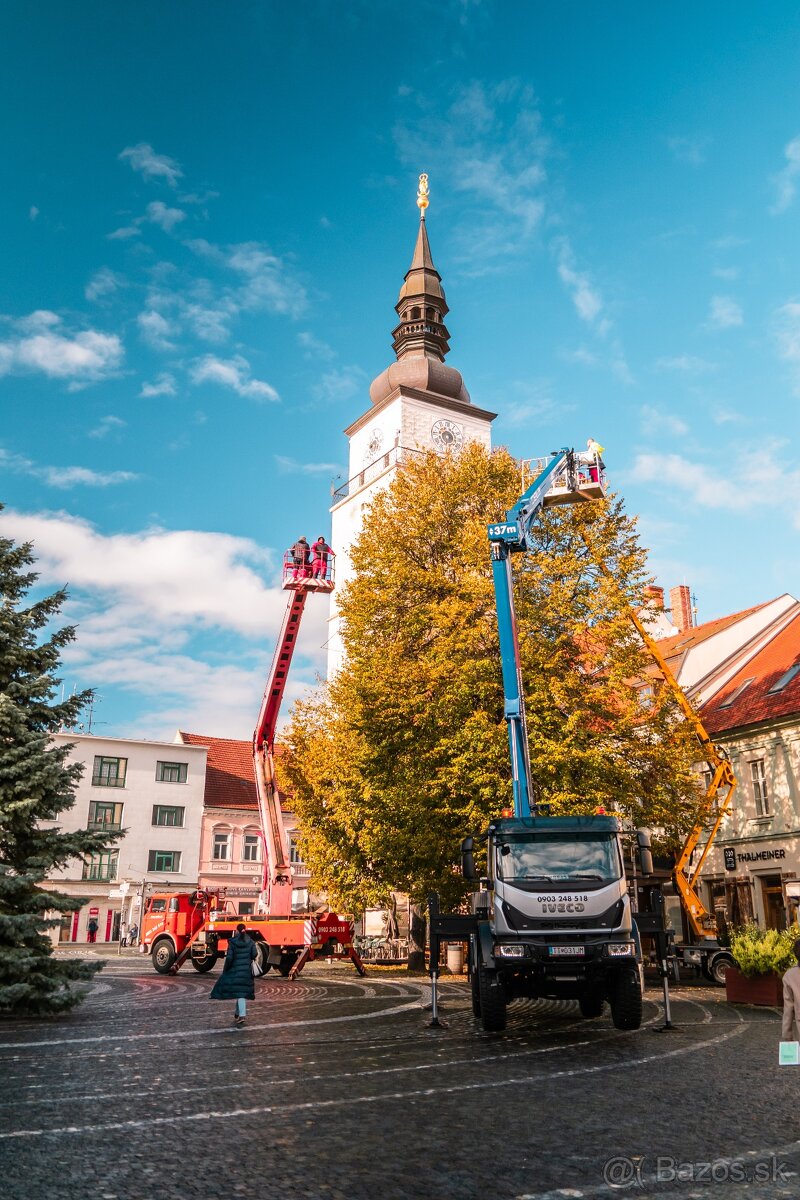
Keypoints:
(468, 859)
(645, 853)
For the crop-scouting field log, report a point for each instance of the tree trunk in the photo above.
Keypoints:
(417, 928)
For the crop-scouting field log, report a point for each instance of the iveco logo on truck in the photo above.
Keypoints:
(566, 906)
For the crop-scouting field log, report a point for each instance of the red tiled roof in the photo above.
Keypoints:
(765, 669)
(230, 782)
(689, 638)
(678, 644)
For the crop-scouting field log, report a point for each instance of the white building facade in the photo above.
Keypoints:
(153, 791)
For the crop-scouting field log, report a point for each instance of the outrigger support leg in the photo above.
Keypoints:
(300, 963)
(356, 960)
(185, 952)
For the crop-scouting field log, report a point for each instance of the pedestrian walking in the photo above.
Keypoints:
(236, 981)
(301, 556)
(133, 933)
(123, 934)
(91, 930)
(790, 1031)
(321, 552)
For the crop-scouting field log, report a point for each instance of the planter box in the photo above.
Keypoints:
(766, 990)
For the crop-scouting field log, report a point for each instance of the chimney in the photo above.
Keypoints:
(654, 596)
(681, 605)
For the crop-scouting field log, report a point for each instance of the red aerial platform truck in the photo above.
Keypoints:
(197, 925)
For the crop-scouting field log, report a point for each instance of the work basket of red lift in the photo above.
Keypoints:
(314, 573)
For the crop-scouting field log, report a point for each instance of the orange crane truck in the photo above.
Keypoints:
(197, 925)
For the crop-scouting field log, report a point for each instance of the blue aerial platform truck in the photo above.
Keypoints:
(552, 916)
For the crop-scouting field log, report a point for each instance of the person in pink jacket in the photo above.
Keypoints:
(320, 552)
(790, 1031)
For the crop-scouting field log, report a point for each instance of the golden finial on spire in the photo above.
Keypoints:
(422, 195)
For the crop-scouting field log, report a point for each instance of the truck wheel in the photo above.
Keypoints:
(591, 1004)
(476, 994)
(492, 1000)
(287, 962)
(164, 956)
(717, 968)
(626, 1001)
(263, 957)
(205, 964)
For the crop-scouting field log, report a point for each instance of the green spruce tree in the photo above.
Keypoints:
(36, 786)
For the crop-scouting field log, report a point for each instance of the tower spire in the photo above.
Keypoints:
(422, 305)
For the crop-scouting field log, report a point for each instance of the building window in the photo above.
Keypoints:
(646, 695)
(246, 908)
(222, 844)
(101, 866)
(759, 787)
(164, 860)
(109, 772)
(105, 814)
(250, 847)
(167, 772)
(294, 852)
(168, 814)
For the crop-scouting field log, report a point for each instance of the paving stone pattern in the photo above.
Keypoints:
(336, 1089)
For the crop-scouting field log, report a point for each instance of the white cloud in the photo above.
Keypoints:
(103, 283)
(727, 273)
(757, 477)
(63, 477)
(787, 333)
(143, 158)
(489, 146)
(232, 373)
(33, 212)
(314, 347)
(144, 604)
(106, 426)
(655, 421)
(172, 575)
(725, 312)
(691, 150)
(785, 181)
(162, 385)
(685, 362)
(158, 213)
(528, 402)
(339, 384)
(703, 486)
(38, 344)
(290, 466)
(587, 301)
(155, 330)
(125, 232)
(267, 282)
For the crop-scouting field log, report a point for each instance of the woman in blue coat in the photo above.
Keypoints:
(236, 981)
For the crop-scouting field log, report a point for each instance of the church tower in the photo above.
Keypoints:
(418, 403)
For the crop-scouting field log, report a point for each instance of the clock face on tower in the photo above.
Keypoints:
(446, 435)
(373, 446)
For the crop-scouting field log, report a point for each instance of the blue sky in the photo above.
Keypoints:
(207, 212)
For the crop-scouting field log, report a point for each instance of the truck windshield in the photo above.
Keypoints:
(552, 858)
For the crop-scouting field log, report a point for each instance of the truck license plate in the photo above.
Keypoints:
(564, 951)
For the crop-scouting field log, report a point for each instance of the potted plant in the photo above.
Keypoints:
(761, 956)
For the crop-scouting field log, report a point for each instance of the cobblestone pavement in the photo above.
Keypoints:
(336, 1089)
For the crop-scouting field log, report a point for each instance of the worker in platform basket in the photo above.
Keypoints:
(236, 981)
(593, 456)
(301, 557)
(320, 552)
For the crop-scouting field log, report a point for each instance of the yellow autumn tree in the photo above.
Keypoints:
(405, 751)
